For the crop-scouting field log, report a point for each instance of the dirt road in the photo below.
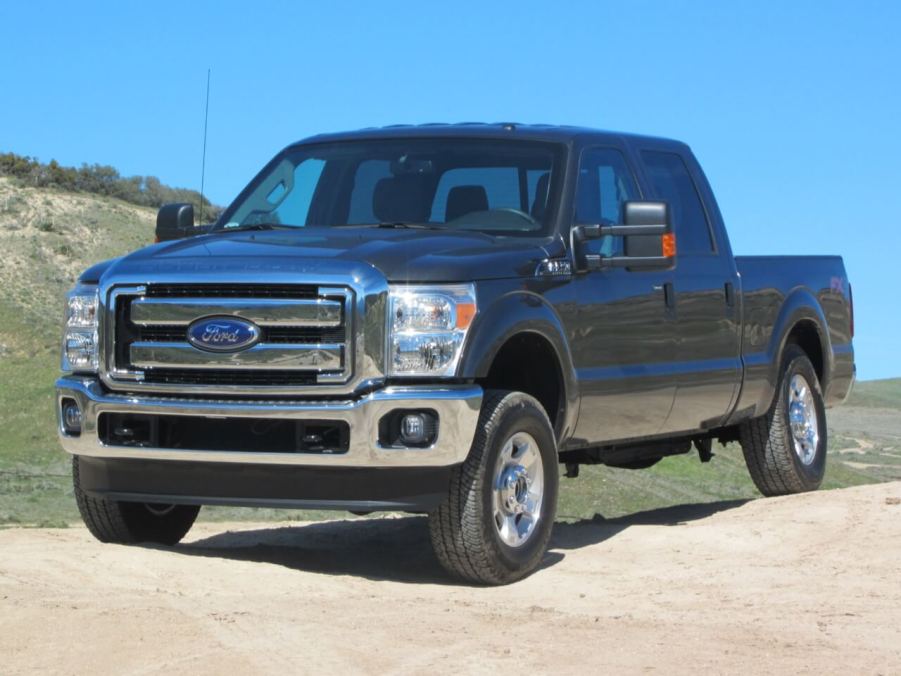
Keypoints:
(804, 584)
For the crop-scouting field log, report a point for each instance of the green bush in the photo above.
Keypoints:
(99, 179)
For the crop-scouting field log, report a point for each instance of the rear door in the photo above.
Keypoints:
(621, 332)
(707, 366)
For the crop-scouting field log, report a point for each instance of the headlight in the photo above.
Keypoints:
(80, 337)
(427, 326)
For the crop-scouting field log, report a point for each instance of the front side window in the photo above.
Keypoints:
(494, 186)
(605, 184)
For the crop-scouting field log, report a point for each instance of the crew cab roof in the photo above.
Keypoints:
(534, 132)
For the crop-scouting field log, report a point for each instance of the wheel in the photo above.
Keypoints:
(785, 450)
(132, 522)
(495, 525)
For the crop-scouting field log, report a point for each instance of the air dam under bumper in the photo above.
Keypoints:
(457, 408)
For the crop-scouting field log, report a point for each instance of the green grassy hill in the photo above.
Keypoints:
(877, 394)
(47, 237)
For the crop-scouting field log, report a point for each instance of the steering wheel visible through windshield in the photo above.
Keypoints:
(503, 187)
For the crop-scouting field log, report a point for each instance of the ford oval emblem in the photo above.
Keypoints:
(223, 334)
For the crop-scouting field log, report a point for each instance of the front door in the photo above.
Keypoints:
(620, 329)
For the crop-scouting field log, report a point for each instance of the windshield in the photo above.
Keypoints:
(492, 186)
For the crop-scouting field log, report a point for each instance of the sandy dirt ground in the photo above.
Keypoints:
(803, 584)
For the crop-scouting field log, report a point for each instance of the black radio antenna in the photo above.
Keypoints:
(206, 117)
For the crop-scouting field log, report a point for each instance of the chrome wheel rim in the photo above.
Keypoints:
(803, 420)
(518, 489)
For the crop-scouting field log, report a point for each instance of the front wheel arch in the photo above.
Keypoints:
(522, 313)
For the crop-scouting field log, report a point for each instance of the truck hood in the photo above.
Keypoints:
(400, 255)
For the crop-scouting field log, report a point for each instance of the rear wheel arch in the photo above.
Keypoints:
(802, 323)
(806, 335)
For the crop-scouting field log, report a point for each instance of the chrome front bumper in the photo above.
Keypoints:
(457, 407)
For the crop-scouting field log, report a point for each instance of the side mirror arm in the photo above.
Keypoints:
(643, 219)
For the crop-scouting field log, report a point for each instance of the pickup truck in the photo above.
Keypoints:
(437, 319)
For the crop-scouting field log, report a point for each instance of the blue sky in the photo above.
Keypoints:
(794, 109)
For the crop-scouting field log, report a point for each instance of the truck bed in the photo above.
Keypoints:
(773, 291)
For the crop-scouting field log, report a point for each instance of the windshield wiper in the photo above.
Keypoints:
(390, 224)
(406, 224)
(257, 226)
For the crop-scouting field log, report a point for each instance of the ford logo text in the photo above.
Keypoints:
(223, 334)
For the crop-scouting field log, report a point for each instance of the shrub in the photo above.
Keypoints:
(100, 179)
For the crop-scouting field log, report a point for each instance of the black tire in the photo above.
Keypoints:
(132, 522)
(463, 531)
(767, 441)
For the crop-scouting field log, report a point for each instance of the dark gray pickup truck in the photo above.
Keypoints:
(434, 319)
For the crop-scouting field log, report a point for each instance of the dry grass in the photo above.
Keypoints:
(48, 238)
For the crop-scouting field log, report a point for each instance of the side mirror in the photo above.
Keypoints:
(649, 239)
(175, 221)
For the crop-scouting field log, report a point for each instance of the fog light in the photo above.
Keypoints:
(412, 428)
(71, 417)
(406, 428)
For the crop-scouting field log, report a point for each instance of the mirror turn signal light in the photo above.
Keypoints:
(669, 245)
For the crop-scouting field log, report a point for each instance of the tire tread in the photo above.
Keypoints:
(766, 441)
(457, 528)
(118, 522)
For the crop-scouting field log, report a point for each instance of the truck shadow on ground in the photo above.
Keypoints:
(397, 548)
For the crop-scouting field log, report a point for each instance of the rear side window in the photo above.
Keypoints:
(672, 183)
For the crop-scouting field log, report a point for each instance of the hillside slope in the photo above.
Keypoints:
(47, 237)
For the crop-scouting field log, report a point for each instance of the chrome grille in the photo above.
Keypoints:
(220, 377)
(305, 335)
(271, 334)
(233, 290)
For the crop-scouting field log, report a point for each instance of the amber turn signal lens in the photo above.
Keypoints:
(669, 245)
(465, 313)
